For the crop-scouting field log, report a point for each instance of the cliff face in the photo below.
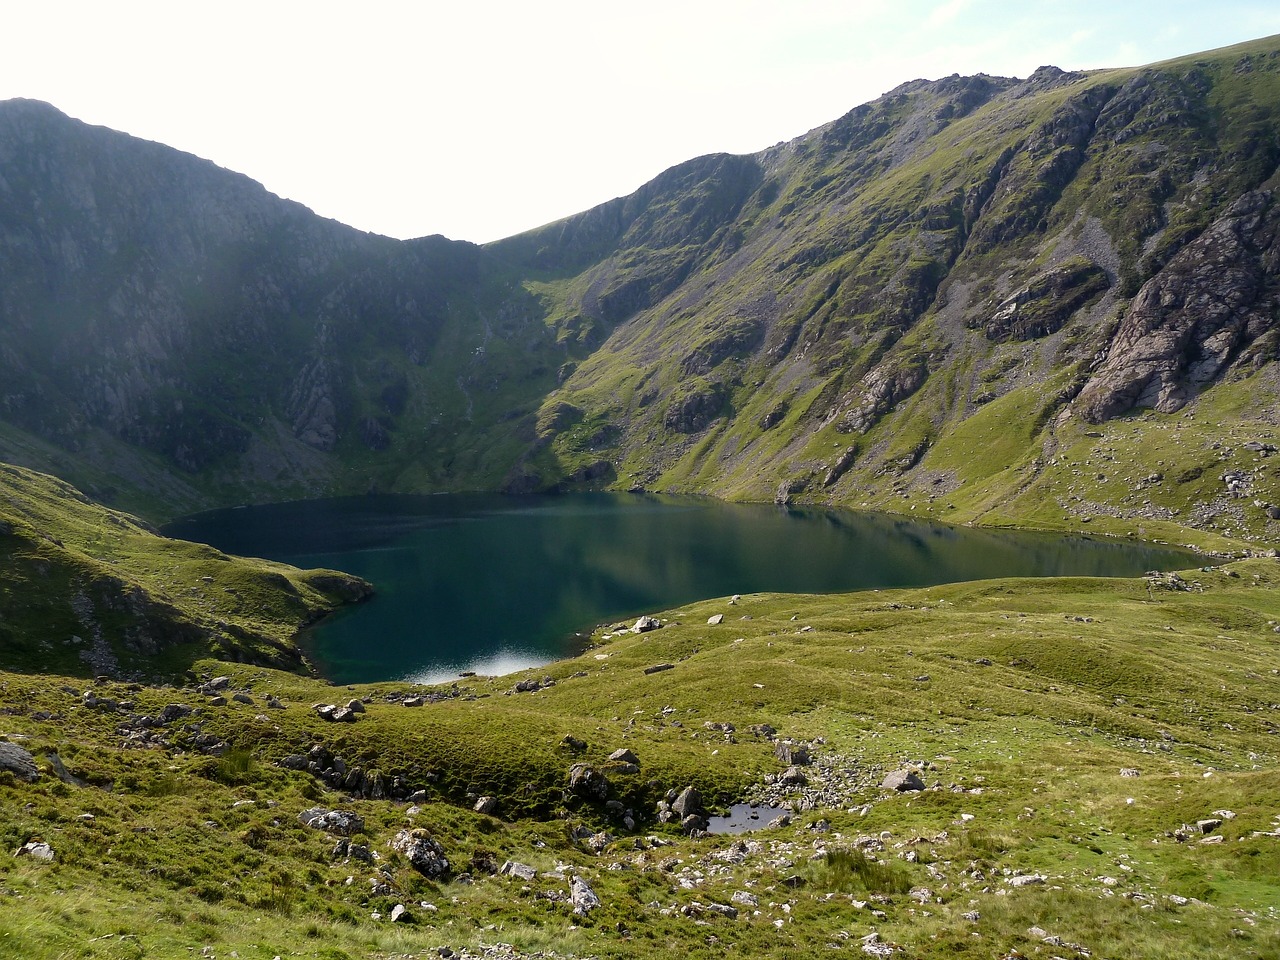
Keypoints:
(822, 320)
(156, 306)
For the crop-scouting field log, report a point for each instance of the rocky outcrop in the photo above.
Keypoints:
(1211, 304)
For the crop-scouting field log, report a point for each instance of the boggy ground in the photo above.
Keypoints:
(1098, 756)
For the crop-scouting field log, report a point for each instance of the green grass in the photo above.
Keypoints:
(1085, 678)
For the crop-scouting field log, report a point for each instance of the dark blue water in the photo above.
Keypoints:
(494, 584)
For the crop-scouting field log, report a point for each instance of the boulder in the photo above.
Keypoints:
(422, 851)
(792, 754)
(174, 711)
(793, 777)
(689, 802)
(624, 756)
(521, 871)
(355, 705)
(486, 805)
(715, 619)
(18, 762)
(342, 822)
(36, 849)
(582, 897)
(645, 624)
(903, 781)
(587, 782)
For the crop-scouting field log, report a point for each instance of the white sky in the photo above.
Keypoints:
(481, 118)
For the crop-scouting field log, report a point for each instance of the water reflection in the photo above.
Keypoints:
(492, 584)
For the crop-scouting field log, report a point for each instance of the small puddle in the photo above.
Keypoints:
(745, 816)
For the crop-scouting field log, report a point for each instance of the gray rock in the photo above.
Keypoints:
(624, 756)
(242, 698)
(587, 782)
(341, 822)
(412, 701)
(694, 823)
(355, 705)
(399, 914)
(645, 624)
(688, 802)
(174, 711)
(793, 777)
(715, 620)
(792, 754)
(1208, 825)
(486, 805)
(1027, 880)
(18, 762)
(521, 871)
(903, 781)
(582, 897)
(37, 850)
(422, 851)
(659, 668)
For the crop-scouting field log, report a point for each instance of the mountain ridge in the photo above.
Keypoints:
(809, 322)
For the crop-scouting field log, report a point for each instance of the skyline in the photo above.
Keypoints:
(485, 122)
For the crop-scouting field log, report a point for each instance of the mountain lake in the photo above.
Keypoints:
(493, 584)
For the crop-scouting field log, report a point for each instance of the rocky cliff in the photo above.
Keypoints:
(839, 318)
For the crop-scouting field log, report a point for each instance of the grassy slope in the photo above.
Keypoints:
(82, 579)
(1085, 677)
(839, 232)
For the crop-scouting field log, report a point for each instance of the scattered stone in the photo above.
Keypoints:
(624, 756)
(724, 910)
(903, 781)
(571, 742)
(422, 851)
(37, 849)
(486, 805)
(659, 668)
(715, 620)
(18, 762)
(412, 701)
(1130, 772)
(1209, 825)
(645, 625)
(399, 914)
(355, 705)
(342, 822)
(242, 698)
(582, 897)
(746, 899)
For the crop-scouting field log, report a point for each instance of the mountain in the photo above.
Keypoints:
(978, 298)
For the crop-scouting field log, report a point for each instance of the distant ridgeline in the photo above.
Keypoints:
(1045, 301)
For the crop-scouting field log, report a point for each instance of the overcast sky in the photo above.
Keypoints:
(481, 118)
